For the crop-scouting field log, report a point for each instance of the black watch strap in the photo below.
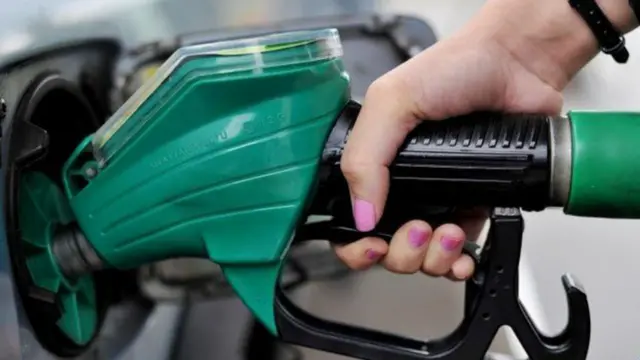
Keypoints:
(610, 39)
(635, 5)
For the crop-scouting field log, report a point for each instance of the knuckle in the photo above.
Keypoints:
(349, 166)
(381, 88)
(352, 169)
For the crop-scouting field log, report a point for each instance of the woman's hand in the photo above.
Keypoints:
(515, 56)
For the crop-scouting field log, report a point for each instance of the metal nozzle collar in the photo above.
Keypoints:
(560, 148)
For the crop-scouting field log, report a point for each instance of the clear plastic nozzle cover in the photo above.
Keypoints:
(247, 54)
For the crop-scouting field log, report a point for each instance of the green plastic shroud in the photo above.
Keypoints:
(43, 210)
(222, 168)
(605, 157)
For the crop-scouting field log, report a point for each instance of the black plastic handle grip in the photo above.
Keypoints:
(482, 159)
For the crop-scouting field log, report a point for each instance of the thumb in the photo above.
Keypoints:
(386, 117)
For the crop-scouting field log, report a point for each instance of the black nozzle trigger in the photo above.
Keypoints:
(491, 301)
(339, 234)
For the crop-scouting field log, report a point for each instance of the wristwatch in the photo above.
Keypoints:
(611, 41)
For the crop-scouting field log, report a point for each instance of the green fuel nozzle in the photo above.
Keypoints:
(232, 145)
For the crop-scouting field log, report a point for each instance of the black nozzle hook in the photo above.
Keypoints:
(492, 298)
(491, 302)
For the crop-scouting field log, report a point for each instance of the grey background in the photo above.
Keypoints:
(600, 252)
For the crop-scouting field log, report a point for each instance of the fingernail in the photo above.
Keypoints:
(364, 215)
(372, 254)
(450, 243)
(417, 237)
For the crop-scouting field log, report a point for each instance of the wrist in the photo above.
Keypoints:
(547, 36)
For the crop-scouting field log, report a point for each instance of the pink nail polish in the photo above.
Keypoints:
(372, 254)
(417, 237)
(364, 215)
(450, 243)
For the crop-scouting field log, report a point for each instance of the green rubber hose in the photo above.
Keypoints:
(605, 180)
